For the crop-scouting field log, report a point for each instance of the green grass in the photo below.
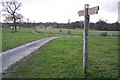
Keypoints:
(62, 58)
(103, 57)
(24, 35)
(76, 32)
(60, 31)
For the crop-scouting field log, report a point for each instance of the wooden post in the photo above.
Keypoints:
(86, 12)
(85, 37)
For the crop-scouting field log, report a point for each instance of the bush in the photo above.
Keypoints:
(69, 32)
(103, 34)
(60, 30)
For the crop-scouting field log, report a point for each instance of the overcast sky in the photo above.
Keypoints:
(62, 10)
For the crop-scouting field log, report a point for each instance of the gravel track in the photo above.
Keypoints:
(11, 56)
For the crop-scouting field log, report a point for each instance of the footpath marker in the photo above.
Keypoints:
(86, 12)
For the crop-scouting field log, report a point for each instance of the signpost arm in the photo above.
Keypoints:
(85, 37)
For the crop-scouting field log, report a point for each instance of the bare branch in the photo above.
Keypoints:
(17, 6)
(9, 5)
(8, 11)
(11, 8)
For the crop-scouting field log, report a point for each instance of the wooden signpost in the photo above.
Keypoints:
(88, 11)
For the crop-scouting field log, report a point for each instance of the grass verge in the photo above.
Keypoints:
(24, 35)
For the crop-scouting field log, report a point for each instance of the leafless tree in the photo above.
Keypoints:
(11, 8)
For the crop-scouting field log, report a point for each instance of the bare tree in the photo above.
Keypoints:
(11, 8)
(9, 18)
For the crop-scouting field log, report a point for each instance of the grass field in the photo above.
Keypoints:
(76, 32)
(62, 58)
(24, 35)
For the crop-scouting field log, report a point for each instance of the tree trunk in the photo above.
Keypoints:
(12, 28)
(15, 24)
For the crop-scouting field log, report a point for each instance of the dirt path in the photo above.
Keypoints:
(11, 56)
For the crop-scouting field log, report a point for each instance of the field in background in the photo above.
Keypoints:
(62, 58)
(76, 32)
(24, 35)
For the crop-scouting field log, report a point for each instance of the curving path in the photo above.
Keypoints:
(11, 56)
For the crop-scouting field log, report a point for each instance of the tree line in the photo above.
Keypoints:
(100, 25)
(13, 18)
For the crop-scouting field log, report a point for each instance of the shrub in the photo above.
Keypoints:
(103, 34)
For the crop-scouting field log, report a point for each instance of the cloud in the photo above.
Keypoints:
(111, 6)
(62, 10)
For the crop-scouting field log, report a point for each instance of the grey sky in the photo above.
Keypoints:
(119, 12)
(111, 6)
(62, 10)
